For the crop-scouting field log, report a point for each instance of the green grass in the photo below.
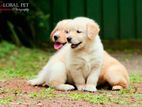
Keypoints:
(43, 94)
(102, 97)
(6, 100)
(20, 62)
(135, 78)
(25, 63)
(92, 98)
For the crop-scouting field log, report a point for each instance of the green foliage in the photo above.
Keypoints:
(27, 28)
(6, 100)
(5, 49)
(43, 94)
(135, 78)
(20, 62)
(92, 98)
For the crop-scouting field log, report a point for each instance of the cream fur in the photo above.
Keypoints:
(56, 72)
(87, 58)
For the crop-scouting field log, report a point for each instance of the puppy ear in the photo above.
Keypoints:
(92, 30)
(52, 33)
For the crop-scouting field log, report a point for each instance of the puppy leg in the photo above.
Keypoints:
(92, 81)
(58, 77)
(117, 77)
(41, 78)
(78, 79)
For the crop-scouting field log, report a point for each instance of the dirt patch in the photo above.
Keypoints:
(19, 90)
(138, 87)
(20, 84)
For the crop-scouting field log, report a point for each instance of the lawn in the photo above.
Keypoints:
(19, 64)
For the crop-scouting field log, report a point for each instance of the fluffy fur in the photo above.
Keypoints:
(56, 72)
(86, 55)
(112, 71)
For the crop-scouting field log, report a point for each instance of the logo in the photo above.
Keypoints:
(14, 6)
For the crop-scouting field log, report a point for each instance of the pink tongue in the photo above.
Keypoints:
(57, 45)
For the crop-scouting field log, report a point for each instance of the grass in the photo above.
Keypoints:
(6, 100)
(8, 95)
(92, 98)
(102, 97)
(43, 94)
(25, 63)
(135, 78)
(20, 62)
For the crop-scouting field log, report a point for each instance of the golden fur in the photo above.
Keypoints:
(56, 73)
(112, 70)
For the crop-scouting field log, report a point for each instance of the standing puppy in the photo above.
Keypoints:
(86, 56)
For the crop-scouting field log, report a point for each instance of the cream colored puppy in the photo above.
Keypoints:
(112, 72)
(86, 55)
(54, 73)
(59, 41)
(58, 70)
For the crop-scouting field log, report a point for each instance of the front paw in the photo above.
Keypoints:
(33, 82)
(90, 88)
(80, 87)
(65, 87)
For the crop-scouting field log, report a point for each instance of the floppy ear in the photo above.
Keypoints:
(52, 33)
(92, 30)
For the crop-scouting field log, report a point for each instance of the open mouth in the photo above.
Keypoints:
(75, 45)
(58, 45)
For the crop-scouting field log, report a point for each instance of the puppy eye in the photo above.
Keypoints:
(66, 31)
(79, 31)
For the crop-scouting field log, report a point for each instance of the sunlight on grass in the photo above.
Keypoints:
(20, 62)
(6, 100)
(44, 93)
(92, 98)
(6, 48)
(135, 78)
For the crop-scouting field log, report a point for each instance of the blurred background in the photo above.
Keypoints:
(120, 20)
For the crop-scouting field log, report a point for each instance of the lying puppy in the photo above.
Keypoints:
(86, 55)
(112, 71)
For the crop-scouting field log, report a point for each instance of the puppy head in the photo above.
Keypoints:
(81, 32)
(58, 35)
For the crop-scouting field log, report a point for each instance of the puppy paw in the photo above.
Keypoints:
(90, 88)
(117, 88)
(34, 82)
(65, 87)
(81, 87)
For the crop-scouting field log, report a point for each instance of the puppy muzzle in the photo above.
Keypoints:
(69, 39)
(56, 37)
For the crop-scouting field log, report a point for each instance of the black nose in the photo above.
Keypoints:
(69, 39)
(56, 37)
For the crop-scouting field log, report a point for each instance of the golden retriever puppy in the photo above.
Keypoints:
(57, 31)
(112, 71)
(54, 73)
(86, 55)
(58, 70)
